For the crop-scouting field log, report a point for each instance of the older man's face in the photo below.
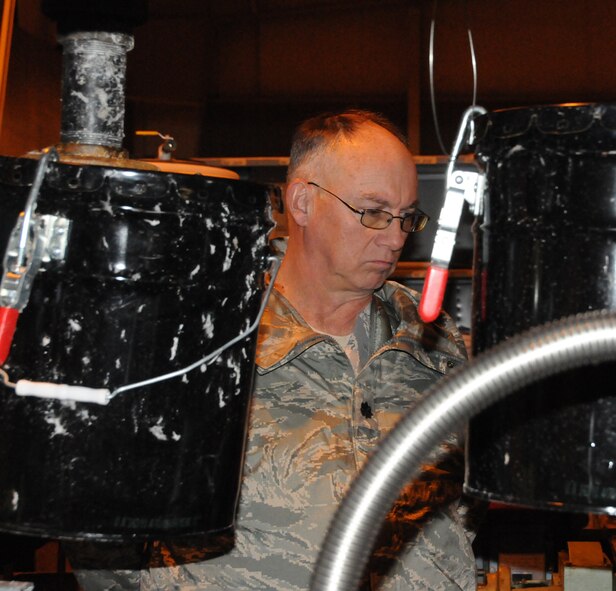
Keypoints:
(372, 170)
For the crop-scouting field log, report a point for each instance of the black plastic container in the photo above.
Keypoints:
(545, 249)
(160, 270)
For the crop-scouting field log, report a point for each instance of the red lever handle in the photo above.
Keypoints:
(433, 293)
(8, 322)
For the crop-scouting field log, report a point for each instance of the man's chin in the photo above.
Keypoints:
(380, 282)
(376, 279)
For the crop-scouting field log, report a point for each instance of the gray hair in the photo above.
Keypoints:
(317, 133)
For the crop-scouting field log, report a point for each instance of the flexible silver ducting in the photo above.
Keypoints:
(571, 342)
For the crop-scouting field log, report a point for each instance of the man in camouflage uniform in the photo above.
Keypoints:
(342, 355)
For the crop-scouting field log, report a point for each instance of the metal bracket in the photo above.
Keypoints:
(472, 184)
(47, 242)
(462, 185)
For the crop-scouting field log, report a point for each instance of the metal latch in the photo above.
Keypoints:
(49, 238)
(461, 185)
(33, 239)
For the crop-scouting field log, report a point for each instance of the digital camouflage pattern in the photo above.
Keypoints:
(318, 412)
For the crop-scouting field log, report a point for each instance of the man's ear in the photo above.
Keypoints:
(298, 201)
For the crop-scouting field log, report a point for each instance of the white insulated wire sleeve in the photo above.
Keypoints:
(62, 392)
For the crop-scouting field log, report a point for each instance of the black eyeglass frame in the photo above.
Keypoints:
(420, 218)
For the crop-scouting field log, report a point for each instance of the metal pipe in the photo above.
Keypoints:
(572, 342)
(93, 87)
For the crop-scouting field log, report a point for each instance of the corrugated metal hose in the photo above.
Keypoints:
(572, 342)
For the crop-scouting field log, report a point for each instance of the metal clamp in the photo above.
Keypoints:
(23, 256)
(25, 248)
(48, 238)
(462, 185)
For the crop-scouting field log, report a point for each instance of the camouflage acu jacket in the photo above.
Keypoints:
(318, 412)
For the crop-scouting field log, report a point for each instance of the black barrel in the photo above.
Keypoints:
(159, 271)
(545, 249)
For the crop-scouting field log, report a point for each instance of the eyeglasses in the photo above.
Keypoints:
(378, 219)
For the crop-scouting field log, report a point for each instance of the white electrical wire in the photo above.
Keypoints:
(103, 396)
(211, 356)
(5, 379)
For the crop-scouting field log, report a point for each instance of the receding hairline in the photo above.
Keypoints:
(317, 134)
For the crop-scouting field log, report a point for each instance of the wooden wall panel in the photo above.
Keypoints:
(235, 79)
(32, 109)
(350, 53)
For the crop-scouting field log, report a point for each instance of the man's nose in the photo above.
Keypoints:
(394, 236)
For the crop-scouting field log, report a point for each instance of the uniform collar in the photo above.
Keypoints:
(390, 321)
(283, 333)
